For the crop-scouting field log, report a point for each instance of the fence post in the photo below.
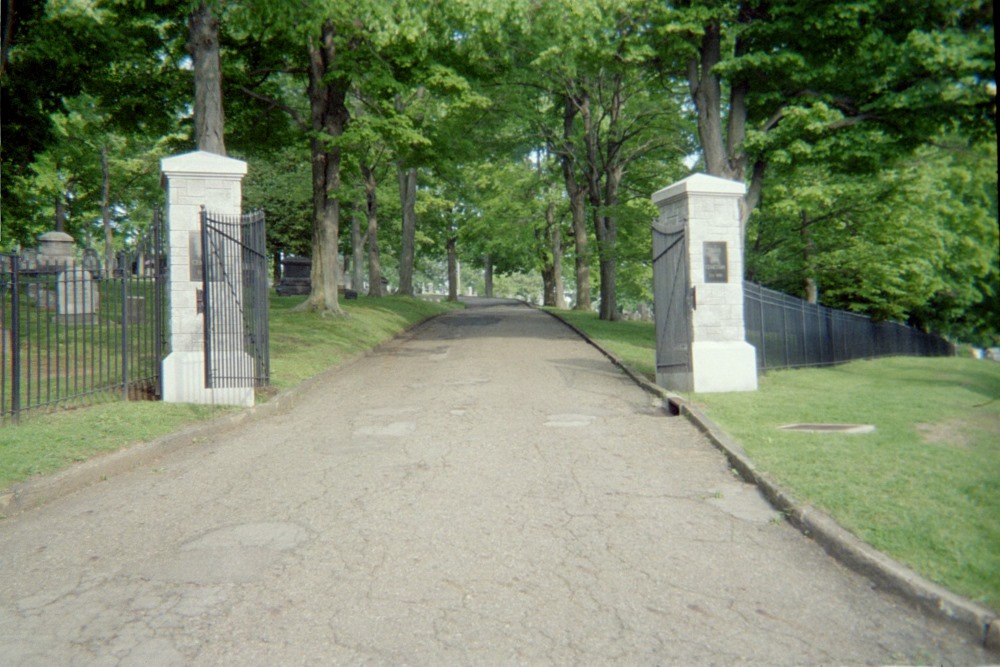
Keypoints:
(763, 329)
(125, 316)
(15, 337)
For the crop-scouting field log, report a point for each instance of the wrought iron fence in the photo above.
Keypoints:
(790, 332)
(73, 333)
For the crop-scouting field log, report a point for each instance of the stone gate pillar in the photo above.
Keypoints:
(702, 214)
(195, 180)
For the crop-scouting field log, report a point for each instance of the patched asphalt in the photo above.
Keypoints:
(488, 489)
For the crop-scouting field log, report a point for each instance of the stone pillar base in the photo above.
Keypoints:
(726, 366)
(184, 382)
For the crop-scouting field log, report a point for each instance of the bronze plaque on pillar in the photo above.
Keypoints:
(197, 265)
(716, 263)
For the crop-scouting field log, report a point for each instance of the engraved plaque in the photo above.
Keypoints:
(194, 255)
(716, 264)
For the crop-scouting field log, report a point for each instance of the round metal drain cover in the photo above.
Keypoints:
(828, 428)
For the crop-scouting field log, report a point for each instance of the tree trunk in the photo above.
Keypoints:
(605, 227)
(109, 249)
(607, 241)
(371, 208)
(61, 212)
(706, 93)
(329, 117)
(453, 287)
(552, 285)
(203, 45)
(555, 237)
(809, 285)
(408, 199)
(577, 206)
(358, 241)
(488, 276)
(724, 155)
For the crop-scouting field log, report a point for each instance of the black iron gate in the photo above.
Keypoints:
(672, 296)
(234, 274)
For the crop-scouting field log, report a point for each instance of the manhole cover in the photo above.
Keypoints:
(828, 428)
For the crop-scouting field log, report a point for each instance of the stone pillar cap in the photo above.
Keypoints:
(699, 184)
(55, 245)
(55, 237)
(203, 162)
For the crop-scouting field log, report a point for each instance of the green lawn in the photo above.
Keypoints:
(923, 488)
(302, 345)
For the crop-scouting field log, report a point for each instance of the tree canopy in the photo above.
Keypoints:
(521, 137)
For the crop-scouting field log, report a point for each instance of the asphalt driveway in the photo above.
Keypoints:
(486, 490)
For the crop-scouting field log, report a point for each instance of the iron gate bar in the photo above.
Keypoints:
(234, 282)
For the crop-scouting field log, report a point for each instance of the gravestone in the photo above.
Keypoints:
(91, 262)
(76, 296)
(295, 272)
(55, 251)
(40, 297)
(29, 259)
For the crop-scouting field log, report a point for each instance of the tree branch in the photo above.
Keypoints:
(275, 104)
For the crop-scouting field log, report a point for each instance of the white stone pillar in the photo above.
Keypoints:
(721, 359)
(195, 180)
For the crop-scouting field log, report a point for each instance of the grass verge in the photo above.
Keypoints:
(924, 488)
(302, 345)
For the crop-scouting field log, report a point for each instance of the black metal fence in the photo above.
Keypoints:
(790, 332)
(74, 332)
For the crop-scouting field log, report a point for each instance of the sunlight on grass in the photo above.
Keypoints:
(43, 443)
(924, 487)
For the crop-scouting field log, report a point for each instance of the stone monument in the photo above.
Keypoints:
(295, 276)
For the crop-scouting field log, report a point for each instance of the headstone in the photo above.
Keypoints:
(55, 251)
(135, 309)
(40, 296)
(92, 262)
(29, 259)
(76, 296)
(295, 272)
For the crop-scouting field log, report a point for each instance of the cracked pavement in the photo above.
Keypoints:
(487, 489)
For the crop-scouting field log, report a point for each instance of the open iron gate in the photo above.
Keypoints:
(672, 299)
(234, 274)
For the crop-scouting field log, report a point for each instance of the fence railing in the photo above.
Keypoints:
(71, 335)
(790, 332)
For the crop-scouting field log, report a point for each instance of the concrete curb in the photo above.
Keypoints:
(978, 621)
(36, 492)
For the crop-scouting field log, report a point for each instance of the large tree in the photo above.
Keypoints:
(756, 66)
(203, 45)
(91, 100)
